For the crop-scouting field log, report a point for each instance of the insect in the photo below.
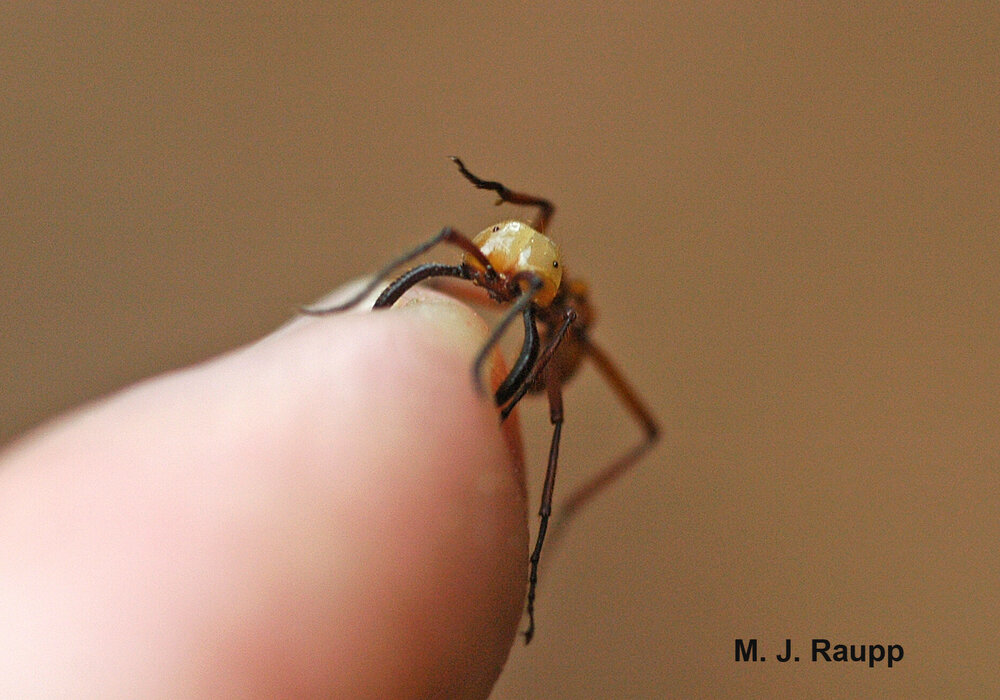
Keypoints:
(517, 264)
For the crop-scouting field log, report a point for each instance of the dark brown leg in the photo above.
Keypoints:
(445, 235)
(613, 471)
(554, 388)
(545, 208)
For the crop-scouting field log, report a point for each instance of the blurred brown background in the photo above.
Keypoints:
(788, 216)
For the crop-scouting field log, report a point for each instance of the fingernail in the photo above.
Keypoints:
(464, 328)
(461, 326)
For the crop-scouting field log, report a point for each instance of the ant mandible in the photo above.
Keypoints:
(518, 265)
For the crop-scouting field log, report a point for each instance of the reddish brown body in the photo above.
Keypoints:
(517, 264)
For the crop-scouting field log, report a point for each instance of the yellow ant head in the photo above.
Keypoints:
(513, 247)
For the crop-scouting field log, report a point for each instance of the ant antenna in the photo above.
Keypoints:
(546, 209)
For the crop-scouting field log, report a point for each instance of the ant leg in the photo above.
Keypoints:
(611, 472)
(517, 379)
(535, 285)
(391, 294)
(545, 208)
(550, 349)
(445, 235)
(554, 388)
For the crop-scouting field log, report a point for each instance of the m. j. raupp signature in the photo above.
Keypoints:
(825, 650)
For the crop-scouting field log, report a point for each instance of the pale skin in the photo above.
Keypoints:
(331, 512)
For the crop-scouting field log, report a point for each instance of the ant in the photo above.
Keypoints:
(517, 264)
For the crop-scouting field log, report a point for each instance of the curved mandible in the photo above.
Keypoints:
(518, 307)
(445, 235)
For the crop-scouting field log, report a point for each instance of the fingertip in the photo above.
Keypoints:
(334, 511)
(454, 541)
(456, 534)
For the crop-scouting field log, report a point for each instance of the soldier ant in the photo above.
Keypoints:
(518, 265)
